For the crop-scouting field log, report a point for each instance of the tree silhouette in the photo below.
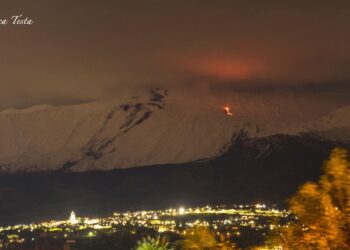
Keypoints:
(203, 239)
(322, 209)
(149, 243)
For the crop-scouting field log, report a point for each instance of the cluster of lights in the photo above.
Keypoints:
(220, 219)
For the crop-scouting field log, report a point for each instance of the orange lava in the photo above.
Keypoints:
(227, 110)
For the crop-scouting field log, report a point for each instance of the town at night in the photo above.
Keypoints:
(235, 223)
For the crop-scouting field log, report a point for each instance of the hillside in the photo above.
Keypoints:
(150, 128)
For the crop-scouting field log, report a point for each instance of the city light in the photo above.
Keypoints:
(222, 220)
(182, 210)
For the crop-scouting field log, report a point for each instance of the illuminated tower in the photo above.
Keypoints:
(72, 219)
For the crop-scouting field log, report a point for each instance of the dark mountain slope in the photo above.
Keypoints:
(253, 170)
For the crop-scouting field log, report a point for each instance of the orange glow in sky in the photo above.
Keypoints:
(227, 68)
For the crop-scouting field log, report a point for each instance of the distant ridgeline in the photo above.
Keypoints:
(152, 128)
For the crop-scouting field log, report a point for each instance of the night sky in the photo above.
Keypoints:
(78, 51)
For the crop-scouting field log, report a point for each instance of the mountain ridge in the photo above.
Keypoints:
(147, 129)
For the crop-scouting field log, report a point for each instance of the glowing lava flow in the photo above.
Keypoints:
(227, 110)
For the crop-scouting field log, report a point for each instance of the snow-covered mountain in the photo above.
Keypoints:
(335, 126)
(147, 129)
(135, 131)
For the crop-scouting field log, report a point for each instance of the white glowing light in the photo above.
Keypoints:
(181, 210)
(72, 219)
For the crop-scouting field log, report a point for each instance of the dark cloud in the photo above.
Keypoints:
(87, 50)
